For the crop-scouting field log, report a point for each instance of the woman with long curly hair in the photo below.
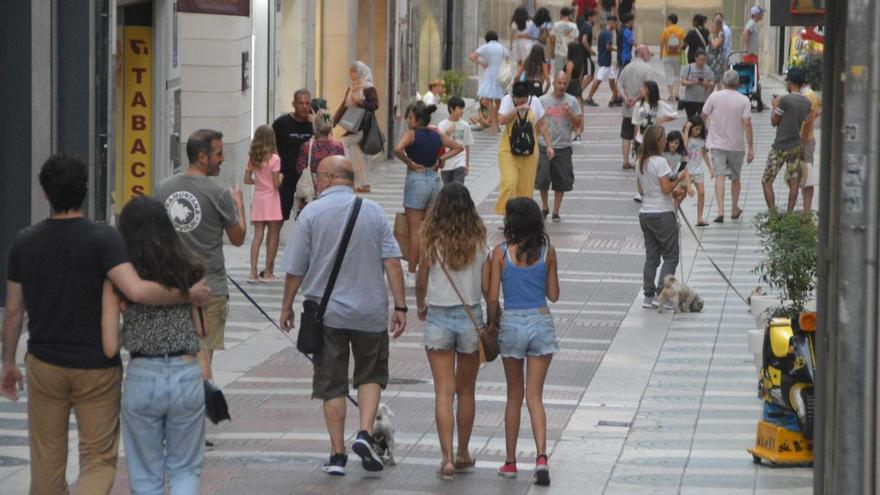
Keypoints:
(264, 172)
(535, 71)
(524, 267)
(453, 252)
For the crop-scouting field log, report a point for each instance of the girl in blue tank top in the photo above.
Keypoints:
(524, 268)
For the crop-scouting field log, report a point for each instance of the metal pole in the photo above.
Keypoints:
(848, 428)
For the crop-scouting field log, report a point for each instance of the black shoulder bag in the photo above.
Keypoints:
(311, 323)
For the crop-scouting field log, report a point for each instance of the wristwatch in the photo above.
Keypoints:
(402, 309)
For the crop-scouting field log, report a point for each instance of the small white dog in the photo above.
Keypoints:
(383, 434)
(682, 298)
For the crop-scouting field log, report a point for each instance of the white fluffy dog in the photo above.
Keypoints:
(682, 298)
(383, 434)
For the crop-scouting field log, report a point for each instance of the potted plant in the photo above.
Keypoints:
(811, 64)
(454, 82)
(789, 244)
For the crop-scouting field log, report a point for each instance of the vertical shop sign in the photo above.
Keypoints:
(137, 119)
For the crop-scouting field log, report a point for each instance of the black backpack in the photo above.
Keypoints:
(522, 135)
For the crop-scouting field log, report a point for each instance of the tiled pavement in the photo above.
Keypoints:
(685, 383)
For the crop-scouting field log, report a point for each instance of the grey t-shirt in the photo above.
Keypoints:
(630, 81)
(794, 109)
(200, 210)
(752, 28)
(557, 120)
(691, 72)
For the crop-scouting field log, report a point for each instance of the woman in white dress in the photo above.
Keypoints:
(490, 57)
(522, 30)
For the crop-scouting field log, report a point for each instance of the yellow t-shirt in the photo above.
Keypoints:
(672, 30)
(815, 106)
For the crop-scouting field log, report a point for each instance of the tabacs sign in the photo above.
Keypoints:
(137, 122)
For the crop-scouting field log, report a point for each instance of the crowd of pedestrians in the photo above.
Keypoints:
(163, 270)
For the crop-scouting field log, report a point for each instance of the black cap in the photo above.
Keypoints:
(796, 76)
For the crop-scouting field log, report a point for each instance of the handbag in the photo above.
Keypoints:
(216, 408)
(401, 234)
(373, 141)
(352, 118)
(305, 186)
(310, 338)
(488, 335)
(505, 73)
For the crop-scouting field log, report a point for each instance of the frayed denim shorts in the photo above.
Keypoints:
(527, 332)
(448, 327)
(420, 189)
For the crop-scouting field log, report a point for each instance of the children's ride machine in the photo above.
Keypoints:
(785, 432)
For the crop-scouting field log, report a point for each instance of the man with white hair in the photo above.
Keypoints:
(727, 113)
(630, 82)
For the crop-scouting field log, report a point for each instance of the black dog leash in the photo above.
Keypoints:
(717, 268)
(275, 323)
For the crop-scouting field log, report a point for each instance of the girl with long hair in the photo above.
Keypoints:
(522, 31)
(264, 172)
(535, 71)
(453, 241)
(657, 216)
(163, 404)
(360, 93)
(544, 24)
(524, 267)
(650, 110)
(694, 134)
(421, 150)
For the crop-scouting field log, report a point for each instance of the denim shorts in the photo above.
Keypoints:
(420, 189)
(527, 332)
(448, 327)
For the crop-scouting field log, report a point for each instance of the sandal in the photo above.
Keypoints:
(272, 279)
(545, 212)
(446, 471)
(719, 219)
(736, 215)
(702, 224)
(252, 280)
(464, 464)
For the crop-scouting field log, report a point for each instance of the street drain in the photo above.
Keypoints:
(620, 424)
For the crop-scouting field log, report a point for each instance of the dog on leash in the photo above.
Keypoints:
(383, 434)
(757, 291)
(682, 298)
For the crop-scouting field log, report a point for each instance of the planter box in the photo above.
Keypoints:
(756, 347)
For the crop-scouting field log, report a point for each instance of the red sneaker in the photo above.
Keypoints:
(542, 471)
(508, 470)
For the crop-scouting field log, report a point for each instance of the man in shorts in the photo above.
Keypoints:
(563, 113)
(356, 320)
(606, 72)
(671, 43)
(201, 211)
(791, 116)
(632, 78)
(727, 114)
(811, 172)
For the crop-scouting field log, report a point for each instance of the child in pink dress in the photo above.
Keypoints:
(264, 171)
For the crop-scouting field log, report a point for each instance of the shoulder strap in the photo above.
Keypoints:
(464, 303)
(340, 255)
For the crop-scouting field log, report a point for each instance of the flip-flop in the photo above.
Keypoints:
(463, 465)
(719, 219)
(446, 474)
(253, 280)
(702, 224)
(736, 216)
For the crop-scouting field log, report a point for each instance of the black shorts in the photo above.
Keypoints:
(626, 129)
(692, 107)
(574, 88)
(556, 174)
(590, 67)
(454, 175)
(370, 351)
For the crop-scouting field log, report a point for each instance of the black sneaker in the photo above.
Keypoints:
(363, 446)
(336, 465)
(556, 218)
(591, 103)
(209, 444)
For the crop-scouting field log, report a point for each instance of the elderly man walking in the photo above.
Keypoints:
(356, 316)
(727, 113)
(630, 81)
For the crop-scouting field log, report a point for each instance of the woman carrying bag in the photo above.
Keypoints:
(361, 98)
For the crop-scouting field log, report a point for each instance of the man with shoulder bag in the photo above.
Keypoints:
(346, 307)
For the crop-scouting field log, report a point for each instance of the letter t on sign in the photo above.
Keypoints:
(245, 71)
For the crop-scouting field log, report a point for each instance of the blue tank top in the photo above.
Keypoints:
(524, 287)
(425, 147)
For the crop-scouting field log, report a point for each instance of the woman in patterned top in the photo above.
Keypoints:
(320, 146)
(163, 404)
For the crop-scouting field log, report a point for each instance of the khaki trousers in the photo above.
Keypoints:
(94, 396)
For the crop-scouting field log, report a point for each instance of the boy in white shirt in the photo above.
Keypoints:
(457, 167)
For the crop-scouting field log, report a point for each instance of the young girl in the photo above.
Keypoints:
(453, 241)
(163, 406)
(675, 153)
(264, 171)
(695, 143)
(525, 268)
(650, 110)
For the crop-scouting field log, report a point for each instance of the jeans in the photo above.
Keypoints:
(527, 332)
(420, 189)
(661, 239)
(450, 327)
(163, 424)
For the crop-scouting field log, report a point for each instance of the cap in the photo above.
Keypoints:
(756, 10)
(795, 75)
(730, 79)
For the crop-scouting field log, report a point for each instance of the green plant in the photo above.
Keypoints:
(454, 83)
(789, 245)
(811, 64)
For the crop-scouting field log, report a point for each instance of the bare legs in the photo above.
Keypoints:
(557, 200)
(808, 199)
(334, 414)
(493, 106)
(274, 229)
(735, 187)
(259, 228)
(770, 197)
(414, 220)
(532, 389)
(451, 380)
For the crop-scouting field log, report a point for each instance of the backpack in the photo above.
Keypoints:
(522, 135)
(673, 45)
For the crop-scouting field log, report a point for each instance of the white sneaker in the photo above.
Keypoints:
(410, 280)
(637, 198)
(650, 303)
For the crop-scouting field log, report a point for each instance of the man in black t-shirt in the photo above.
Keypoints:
(57, 270)
(697, 38)
(585, 35)
(291, 131)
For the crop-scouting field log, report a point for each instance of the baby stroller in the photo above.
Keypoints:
(749, 82)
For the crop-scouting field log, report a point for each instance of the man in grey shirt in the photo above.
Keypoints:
(357, 313)
(201, 210)
(750, 33)
(792, 118)
(562, 112)
(630, 81)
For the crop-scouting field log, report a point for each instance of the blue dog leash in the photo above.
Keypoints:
(276, 325)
